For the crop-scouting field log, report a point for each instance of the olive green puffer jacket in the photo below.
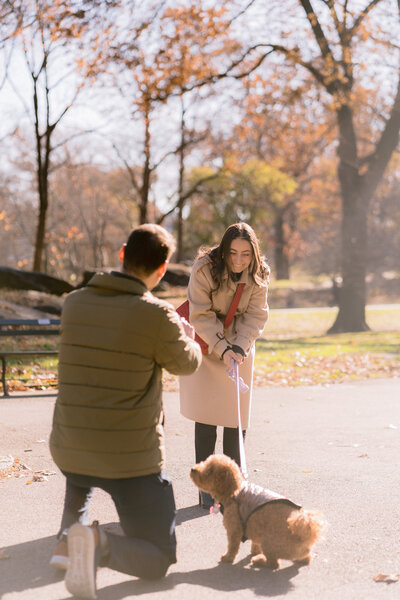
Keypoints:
(115, 339)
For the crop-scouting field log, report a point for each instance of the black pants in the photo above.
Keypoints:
(205, 437)
(146, 509)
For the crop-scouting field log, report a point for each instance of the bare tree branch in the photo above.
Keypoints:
(331, 5)
(317, 29)
(363, 14)
(387, 142)
(10, 133)
(186, 144)
(241, 12)
(20, 97)
(6, 65)
(75, 135)
(130, 170)
(187, 195)
(198, 184)
(213, 78)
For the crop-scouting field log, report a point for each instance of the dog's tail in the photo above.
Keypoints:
(307, 525)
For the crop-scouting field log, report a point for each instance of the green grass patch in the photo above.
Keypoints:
(316, 321)
(328, 358)
(31, 372)
(330, 345)
(294, 350)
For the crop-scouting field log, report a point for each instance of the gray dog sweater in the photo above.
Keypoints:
(252, 497)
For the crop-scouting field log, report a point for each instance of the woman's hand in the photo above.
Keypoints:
(229, 354)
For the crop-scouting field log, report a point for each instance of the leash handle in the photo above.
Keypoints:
(242, 455)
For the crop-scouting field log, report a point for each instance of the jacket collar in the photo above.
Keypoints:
(118, 282)
(244, 278)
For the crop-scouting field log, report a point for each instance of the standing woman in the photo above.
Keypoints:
(208, 396)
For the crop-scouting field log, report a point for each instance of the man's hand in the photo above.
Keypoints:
(189, 329)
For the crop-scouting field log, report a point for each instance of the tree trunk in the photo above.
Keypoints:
(355, 200)
(43, 151)
(40, 235)
(179, 235)
(358, 175)
(282, 267)
(181, 201)
(145, 187)
(42, 172)
(43, 190)
(352, 296)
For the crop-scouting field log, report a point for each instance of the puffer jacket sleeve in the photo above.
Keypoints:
(202, 315)
(250, 324)
(175, 351)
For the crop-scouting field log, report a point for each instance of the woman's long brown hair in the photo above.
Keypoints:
(258, 269)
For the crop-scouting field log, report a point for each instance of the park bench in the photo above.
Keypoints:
(25, 327)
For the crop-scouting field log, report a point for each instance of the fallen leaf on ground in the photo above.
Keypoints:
(383, 578)
(39, 478)
(3, 555)
(15, 468)
(42, 475)
(5, 463)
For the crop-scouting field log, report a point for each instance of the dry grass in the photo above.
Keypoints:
(294, 350)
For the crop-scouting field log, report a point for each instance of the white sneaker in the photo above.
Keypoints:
(80, 579)
(59, 559)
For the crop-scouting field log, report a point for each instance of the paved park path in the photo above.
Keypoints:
(333, 448)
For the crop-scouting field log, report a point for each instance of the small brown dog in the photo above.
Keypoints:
(277, 527)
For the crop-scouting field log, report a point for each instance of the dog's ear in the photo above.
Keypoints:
(226, 482)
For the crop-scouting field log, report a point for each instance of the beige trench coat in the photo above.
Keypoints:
(209, 395)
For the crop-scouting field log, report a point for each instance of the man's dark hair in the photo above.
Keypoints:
(148, 247)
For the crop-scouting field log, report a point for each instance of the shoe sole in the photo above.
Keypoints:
(80, 579)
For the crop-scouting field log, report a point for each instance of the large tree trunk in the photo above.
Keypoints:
(282, 268)
(145, 187)
(43, 151)
(357, 190)
(40, 233)
(359, 175)
(352, 297)
(43, 192)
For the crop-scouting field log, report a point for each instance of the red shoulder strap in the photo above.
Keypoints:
(234, 305)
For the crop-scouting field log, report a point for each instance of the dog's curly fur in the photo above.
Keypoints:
(276, 530)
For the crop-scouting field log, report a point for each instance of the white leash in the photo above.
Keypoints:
(242, 455)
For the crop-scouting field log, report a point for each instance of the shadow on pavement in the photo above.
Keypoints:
(28, 568)
(189, 513)
(222, 577)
